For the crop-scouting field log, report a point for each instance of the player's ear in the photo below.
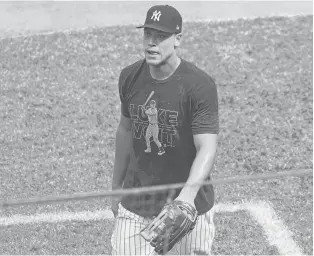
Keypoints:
(177, 40)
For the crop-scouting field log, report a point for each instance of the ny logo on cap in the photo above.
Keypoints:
(156, 15)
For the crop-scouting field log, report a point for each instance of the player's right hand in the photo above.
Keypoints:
(115, 200)
(115, 205)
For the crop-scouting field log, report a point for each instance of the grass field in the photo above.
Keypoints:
(59, 110)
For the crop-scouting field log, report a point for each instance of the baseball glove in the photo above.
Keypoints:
(175, 221)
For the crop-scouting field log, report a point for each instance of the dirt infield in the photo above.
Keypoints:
(23, 18)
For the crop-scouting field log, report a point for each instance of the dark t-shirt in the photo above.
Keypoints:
(186, 104)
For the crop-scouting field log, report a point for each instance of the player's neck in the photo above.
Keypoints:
(165, 70)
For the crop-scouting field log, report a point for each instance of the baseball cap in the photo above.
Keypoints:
(163, 17)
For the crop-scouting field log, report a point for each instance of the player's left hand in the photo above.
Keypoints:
(186, 199)
(176, 220)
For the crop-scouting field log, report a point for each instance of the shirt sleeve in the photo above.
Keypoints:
(205, 116)
(122, 93)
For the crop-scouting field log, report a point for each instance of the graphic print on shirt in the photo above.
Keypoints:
(152, 129)
(150, 122)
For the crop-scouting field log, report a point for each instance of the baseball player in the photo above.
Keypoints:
(152, 129)
(188, 116)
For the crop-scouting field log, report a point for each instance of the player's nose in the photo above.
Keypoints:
(151, 43)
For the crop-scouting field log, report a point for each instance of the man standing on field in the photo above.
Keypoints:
(188, 126)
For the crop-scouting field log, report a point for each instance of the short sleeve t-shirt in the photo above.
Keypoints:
(181, 106)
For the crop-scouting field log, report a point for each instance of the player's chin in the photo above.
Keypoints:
(153, 60)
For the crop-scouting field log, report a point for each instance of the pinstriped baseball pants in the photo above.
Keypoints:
(126, 240)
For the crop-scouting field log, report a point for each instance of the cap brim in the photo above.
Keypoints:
(157, 27)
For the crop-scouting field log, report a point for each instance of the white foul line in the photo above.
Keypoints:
(56, 217)
(275, 230)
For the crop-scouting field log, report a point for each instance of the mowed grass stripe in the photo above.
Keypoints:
(60, 238)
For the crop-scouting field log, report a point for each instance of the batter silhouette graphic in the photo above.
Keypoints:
(152, 129)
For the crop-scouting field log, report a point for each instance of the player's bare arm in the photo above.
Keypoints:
(206, 145)
(122, 155)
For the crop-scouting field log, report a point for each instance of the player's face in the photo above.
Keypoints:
(159, 46)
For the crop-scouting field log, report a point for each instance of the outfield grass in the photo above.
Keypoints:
(238, 234)
(59, 109)
(65, 238)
